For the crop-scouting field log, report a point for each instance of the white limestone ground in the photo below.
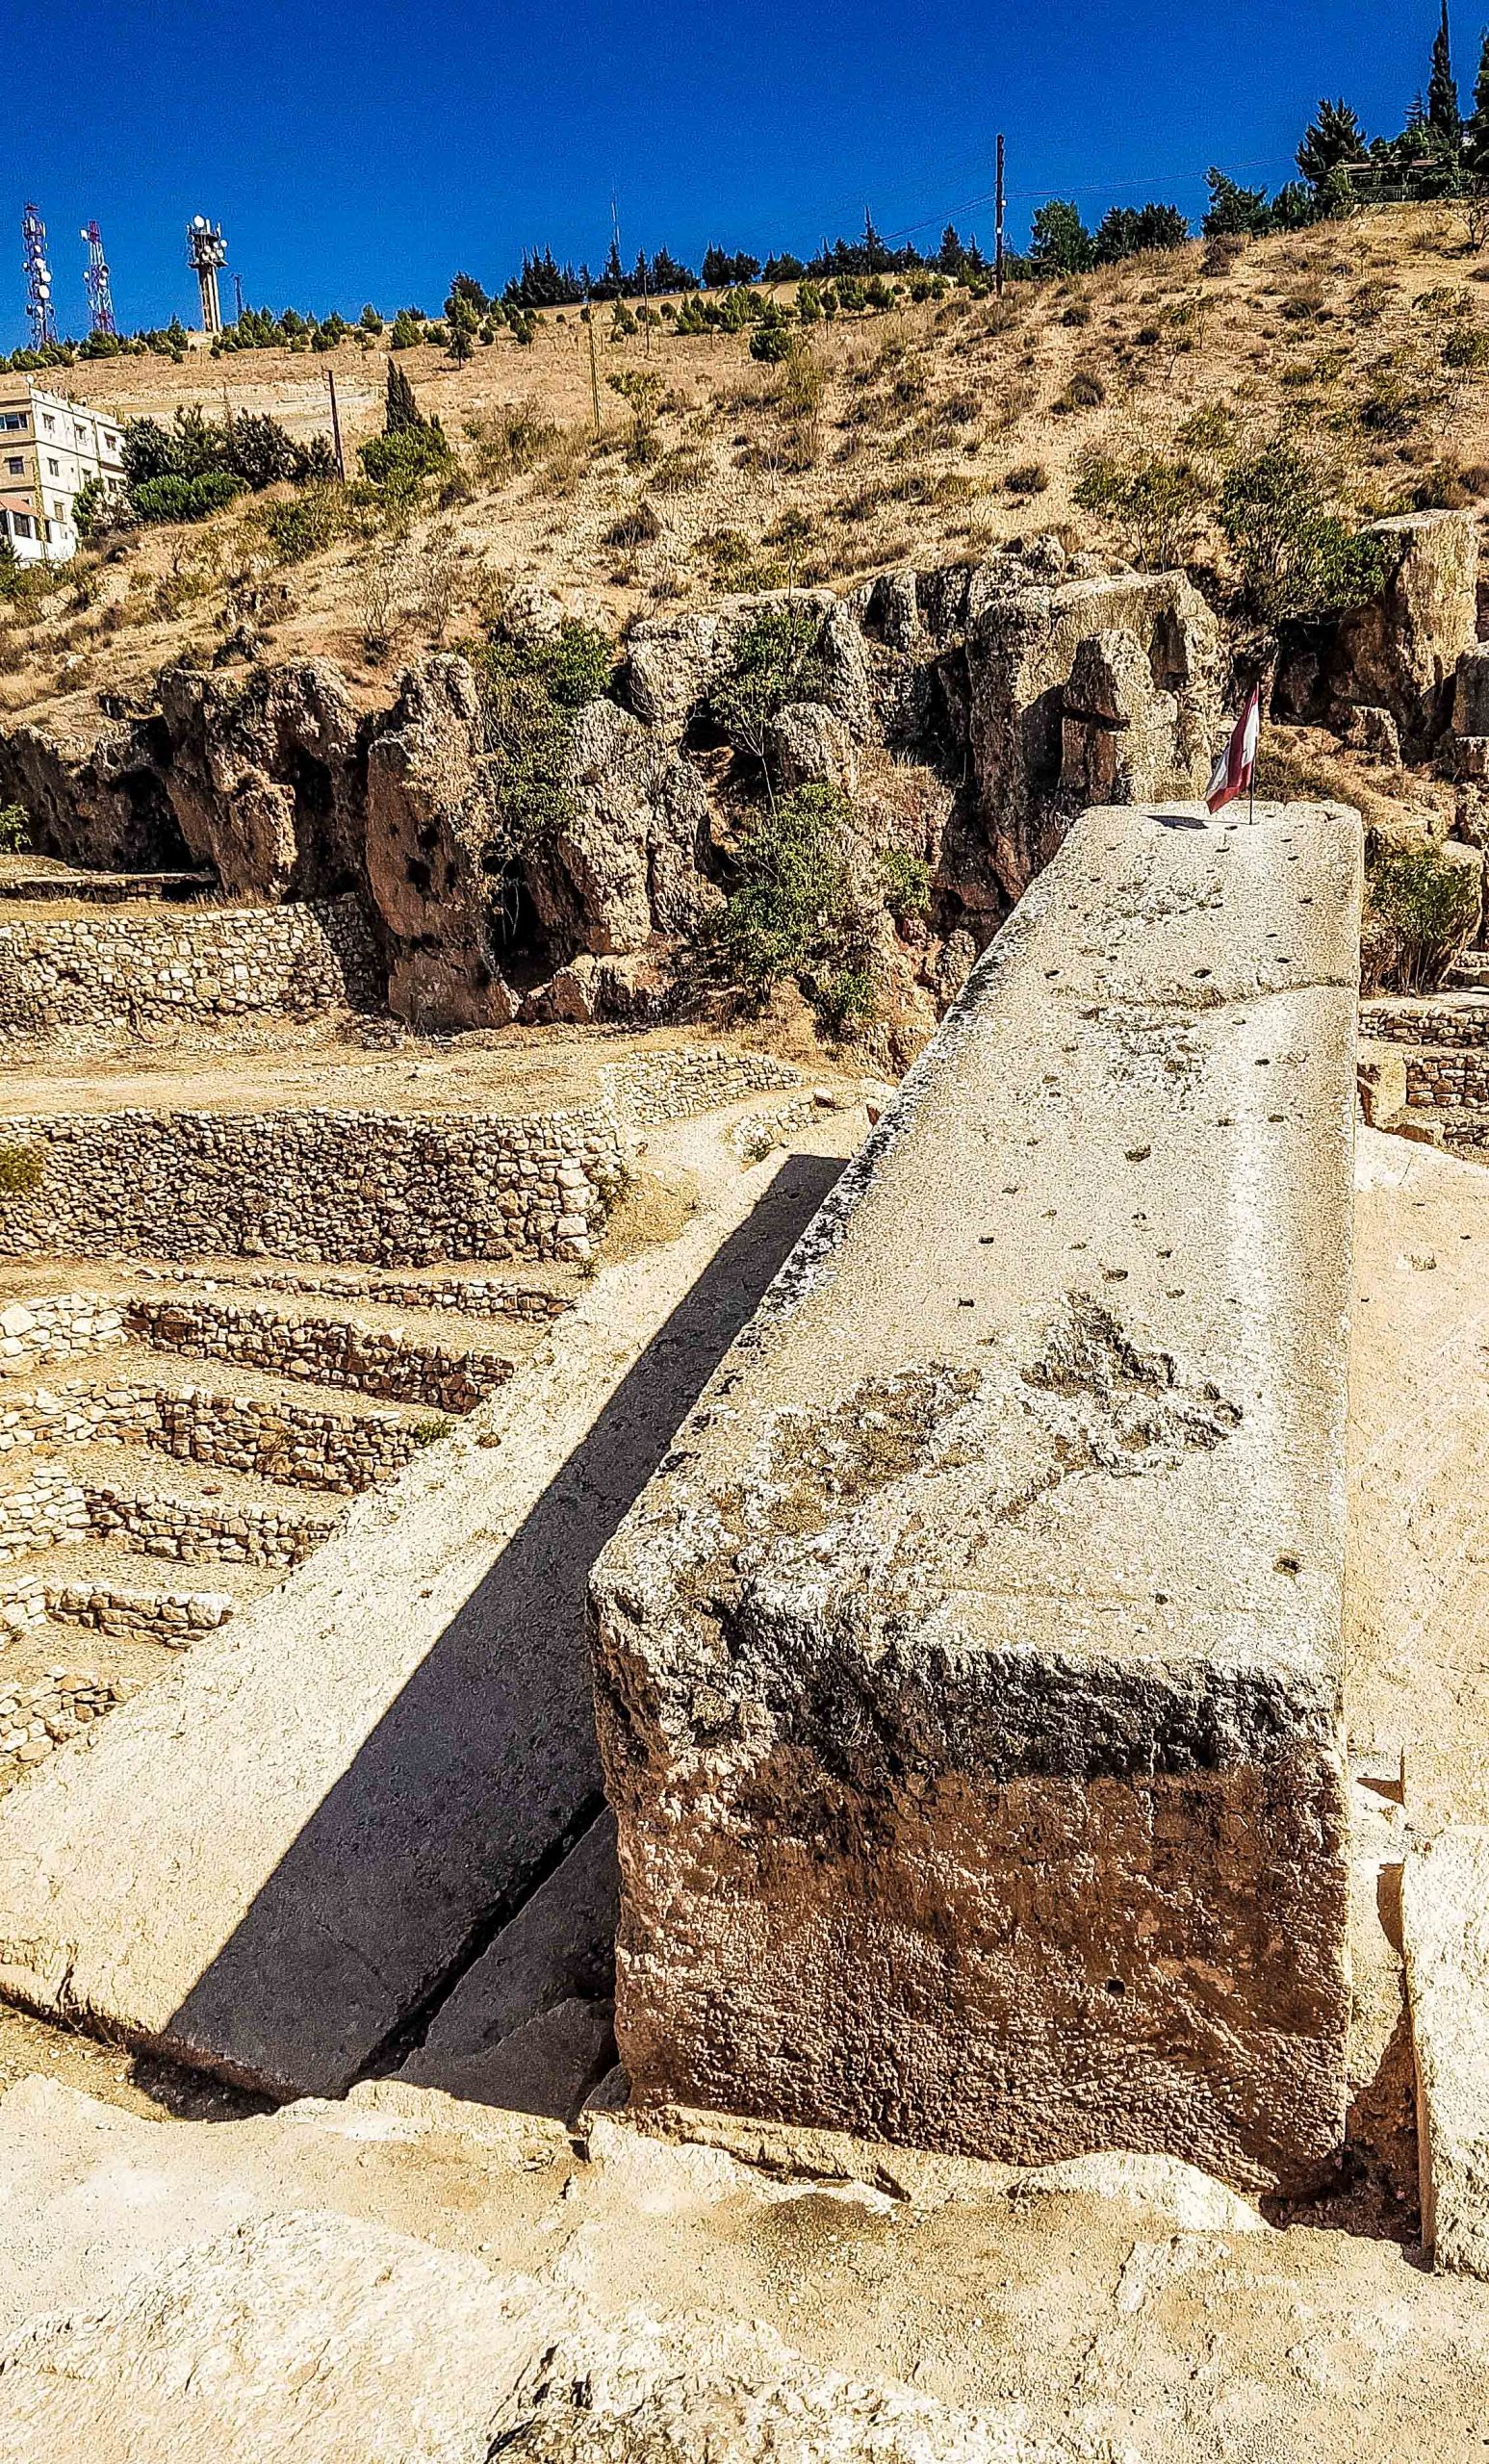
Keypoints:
(406, 2277)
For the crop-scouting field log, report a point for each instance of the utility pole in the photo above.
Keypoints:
(336, 430)
(998, 249)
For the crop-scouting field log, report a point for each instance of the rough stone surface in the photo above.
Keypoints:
(1119, 727)
(1100, 2312)
(1471, 693)
(969, 1680)
(1445, 1930)
(806, 744)
(1021, 657)
(1400, 653)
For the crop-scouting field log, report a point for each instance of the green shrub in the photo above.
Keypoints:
(1298, 556)
(845, 997)
(1420, 911)
(1152, 500)
(403, 457)
(303, 524)
(793, 906)
(1466, 348)
(22, 1169)
(530, 692)
(172, 500)
(14, 831)
(775, 663)
(906, 880)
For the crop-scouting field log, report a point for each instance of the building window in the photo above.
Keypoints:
(60, 510)
(53, 471)
(21, 523)
(13, 420)
(48, 422)
(15, 463)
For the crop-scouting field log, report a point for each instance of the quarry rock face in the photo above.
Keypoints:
(428, 818)
(968, 1678)
(257, 778)
(1022, 652)
(1400, 653)
(627, 864)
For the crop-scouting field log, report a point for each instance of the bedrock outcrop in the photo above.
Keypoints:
(969, 1678)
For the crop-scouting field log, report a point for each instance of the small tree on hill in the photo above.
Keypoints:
(1059, 241)
(1444, 117)
(400, 410)
(1335, 136)
(1234, 212)
(1476, 133)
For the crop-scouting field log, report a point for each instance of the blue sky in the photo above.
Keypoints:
(360, 149)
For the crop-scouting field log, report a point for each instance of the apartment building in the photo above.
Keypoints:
(49, 448)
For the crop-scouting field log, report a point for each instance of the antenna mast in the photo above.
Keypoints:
(40, 312)
(206, 253)
(100, 298)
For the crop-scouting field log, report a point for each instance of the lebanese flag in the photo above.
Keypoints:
(1236, 768)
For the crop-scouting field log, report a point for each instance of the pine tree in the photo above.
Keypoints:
(1335, 136)
(1476, 136)
(401, 411)
(1444, 116)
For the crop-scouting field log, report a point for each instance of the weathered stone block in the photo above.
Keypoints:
(968, 1680)
(1021, 654)
(1445, 1931)
(1400, 652)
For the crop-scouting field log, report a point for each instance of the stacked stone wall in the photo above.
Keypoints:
(111, 969)
(297, 1445)
(1463, 1026)
(462, 1294)
(669, 1085)
(380, 1188)
(1439, 1078)
(53, 1510)
(332, 1351)
(35, 1719)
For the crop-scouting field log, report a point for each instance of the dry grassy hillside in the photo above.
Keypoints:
(923, 434)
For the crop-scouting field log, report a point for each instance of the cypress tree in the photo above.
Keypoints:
(401, 411)
(1476, 136)
(1444, 116)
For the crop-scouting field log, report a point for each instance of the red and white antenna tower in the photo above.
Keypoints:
(100, 298)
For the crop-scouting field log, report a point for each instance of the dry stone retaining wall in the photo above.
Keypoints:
(465, 1295)
(383, 1188)
(1462, 1024)
(173, 1617)
(1439, 1079)
(53, 1510)
(201, 964)
(669, 1085)
(330, 1351)
(35, 1719)
(292, 1442)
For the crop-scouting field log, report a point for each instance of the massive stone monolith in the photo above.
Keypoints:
(970, 1677)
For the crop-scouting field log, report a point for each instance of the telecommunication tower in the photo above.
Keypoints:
(100, 298)
(40, 312)
(206, 253)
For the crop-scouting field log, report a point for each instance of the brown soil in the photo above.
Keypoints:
(939, 430)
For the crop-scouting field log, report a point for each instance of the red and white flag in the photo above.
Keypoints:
(1236, 769)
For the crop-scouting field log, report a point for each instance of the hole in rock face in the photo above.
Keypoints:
(1114, 1986)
